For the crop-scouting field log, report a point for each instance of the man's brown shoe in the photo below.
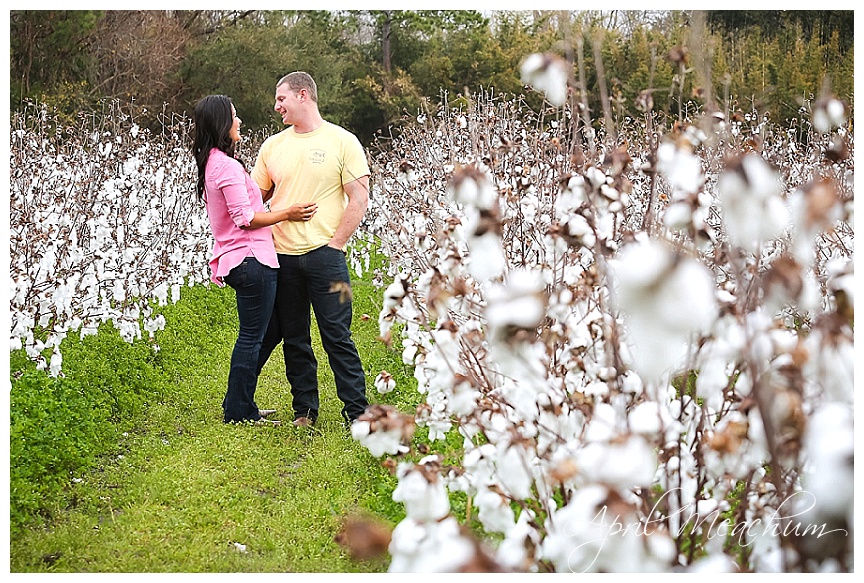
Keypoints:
(303, 422)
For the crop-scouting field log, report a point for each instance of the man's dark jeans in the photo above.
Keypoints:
(318, 279)
(255, 287)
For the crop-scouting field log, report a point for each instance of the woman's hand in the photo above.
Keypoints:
(295, 212)
(302, 211)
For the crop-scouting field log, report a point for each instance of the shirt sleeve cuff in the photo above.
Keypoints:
(244, 218)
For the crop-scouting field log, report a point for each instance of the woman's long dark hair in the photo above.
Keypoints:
(213, 120)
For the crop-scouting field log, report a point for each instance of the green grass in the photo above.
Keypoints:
(163, 485)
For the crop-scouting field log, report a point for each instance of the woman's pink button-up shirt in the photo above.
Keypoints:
(232, 198)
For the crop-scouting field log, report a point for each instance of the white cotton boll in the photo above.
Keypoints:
(750, 195)
(432, 547)
(406, 545)
(596, 177)
(681, 168)
(588, 535)
(574, 536)
(555, 85)
(438, 428)
(493, 511)
(596, 389)
(579, 228)
(379, 442)
(160, 292)
(645, 418)
(711, 382)
(518, 311)
(529, 206)
(631, 383)
(521, 396)
(531, 65)
(463, 398)
(18, 290)
(714, 563)
(360, 430)
(828, 113)
(678, 216)
(424, 500)
(603, 423)
(519, 302)
(478, 462)
(766, 555)
(473, 188)
(664, 300)
(152, 325)
(547, 73)
(513, 551)
(829, 445)
(695, 306)
(486, 260)
(385, 382)
(34, 347)
(56, 364)
(640, 265)
(513, 471)
(571, 197)
(624, 465)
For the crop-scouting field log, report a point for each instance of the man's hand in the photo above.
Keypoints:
(358, 200)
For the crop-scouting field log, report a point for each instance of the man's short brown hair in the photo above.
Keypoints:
(300, 80)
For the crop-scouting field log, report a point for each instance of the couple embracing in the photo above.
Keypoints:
(284, 261)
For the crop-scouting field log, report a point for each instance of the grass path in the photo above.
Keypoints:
(187, 493)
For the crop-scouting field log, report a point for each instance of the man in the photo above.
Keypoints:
(323, 166)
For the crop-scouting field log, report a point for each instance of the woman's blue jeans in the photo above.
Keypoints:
(318, 280)
(255, 287)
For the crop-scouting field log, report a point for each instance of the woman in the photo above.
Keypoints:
(243, 253)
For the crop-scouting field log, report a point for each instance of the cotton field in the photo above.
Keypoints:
(643, 342)
(645, 347)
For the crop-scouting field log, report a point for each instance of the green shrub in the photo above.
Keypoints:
(59, 427)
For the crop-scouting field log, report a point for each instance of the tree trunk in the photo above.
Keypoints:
(385, 39)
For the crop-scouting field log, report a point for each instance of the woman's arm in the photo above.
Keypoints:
(237, 199)
(295, 212)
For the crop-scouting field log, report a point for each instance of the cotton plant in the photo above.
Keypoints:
(383, 430)
(750, 195)
(430, 539)
(102, 225)
(586, 536)
(603, 356)
(548, 73)
(666, 299)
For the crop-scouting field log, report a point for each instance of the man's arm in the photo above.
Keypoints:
(358, 200)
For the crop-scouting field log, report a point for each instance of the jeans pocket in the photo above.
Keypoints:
(239, 275)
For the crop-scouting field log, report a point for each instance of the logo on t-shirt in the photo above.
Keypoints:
(317, 156)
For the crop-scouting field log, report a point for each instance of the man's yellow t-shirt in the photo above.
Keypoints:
(310, 167)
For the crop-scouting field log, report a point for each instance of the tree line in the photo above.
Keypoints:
(375, 67)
